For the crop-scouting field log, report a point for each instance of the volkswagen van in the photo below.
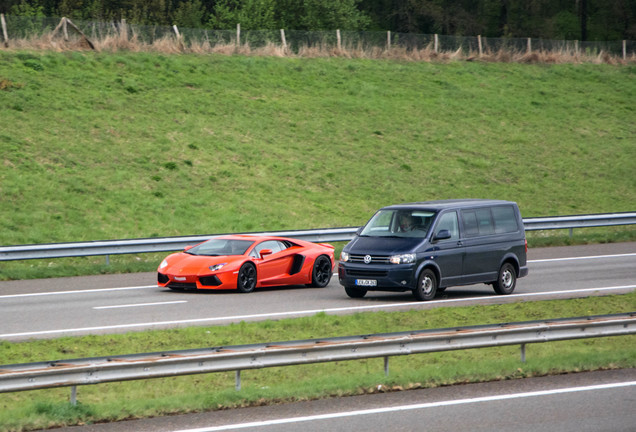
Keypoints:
(426, 247)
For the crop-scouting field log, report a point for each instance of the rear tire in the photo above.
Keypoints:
(426, 286)
(246, 281)
(354, 292)
(506, 280)
(321, 274)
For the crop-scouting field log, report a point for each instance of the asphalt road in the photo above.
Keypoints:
(595, 401)
(48, 308)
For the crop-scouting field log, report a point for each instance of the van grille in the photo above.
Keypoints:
(375, 259)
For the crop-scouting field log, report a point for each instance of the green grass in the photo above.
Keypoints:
(99, 146)
(116, 401)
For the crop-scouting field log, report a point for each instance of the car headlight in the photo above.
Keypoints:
(344, 256)
(402, 259)
(163, 264)
(216, 267)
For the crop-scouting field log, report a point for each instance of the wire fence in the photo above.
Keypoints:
(17, 29)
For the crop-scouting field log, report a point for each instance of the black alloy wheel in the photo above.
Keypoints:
(321, 275)
(246, 278)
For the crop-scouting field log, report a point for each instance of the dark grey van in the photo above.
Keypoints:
(427, 247)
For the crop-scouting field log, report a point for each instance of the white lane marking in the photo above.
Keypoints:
(89, 291)
(139, 304)
(581, 258)
(77, 291)
(278, 315)
(410, 407)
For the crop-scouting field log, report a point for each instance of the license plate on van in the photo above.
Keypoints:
(366, 282)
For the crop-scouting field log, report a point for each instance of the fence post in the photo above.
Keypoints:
(436, 42)
(624, 49)
(388, 40)
(238, 35)
(6, 36)
(481, 51)
(339, 42)
(282, 37)
(529, 45)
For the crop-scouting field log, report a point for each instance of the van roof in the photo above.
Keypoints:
(451, 203)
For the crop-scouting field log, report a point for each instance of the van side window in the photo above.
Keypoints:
(477, 222)
(448, 221)
(505, 220)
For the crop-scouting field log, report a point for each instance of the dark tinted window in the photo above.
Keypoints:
(505, 219)
(477, 222)
(471, 227)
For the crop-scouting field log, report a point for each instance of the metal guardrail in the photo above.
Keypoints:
(168, 244)
(71, 373)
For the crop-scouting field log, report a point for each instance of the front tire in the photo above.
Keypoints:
(354, 292)
(426, 286)
(506, 280)
(321, 274)
(246, 281)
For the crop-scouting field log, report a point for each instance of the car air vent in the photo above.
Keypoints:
(210, 281)
(182, 286)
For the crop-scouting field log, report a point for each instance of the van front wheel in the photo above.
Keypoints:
(426, 286)
(354, 292)
(507, 279)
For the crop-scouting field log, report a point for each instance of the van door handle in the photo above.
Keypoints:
(459, 243)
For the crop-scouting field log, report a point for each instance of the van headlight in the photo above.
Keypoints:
(344, 256)
(402, 259)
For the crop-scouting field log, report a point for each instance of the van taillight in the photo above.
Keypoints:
(526, 245)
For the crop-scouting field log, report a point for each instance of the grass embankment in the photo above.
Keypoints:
(101, 146)
(117, 401)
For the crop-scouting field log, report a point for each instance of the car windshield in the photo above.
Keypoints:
(399, 223)
(221, 246)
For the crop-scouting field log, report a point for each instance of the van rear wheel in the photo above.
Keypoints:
(507, 280)
(426, 286)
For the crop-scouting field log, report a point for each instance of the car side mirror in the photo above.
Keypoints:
(265, 252)
(442, 235)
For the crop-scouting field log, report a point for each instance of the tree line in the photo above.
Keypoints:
(593, 20)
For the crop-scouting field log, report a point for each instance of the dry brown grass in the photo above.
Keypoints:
(128, 40)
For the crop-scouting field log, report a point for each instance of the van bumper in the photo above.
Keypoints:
(387, 278)
(523, 271)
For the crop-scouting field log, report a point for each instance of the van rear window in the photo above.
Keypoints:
(505, 220)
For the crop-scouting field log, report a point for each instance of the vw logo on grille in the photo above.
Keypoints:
(367, 259)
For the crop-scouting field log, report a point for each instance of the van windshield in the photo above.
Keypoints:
(399, 223)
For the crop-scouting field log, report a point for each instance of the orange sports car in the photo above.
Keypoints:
(244, 262)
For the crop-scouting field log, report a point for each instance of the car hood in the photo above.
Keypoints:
(186, 264)
(383, 245)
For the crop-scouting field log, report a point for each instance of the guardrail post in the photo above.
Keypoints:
(237, 384)
(386, 366)
(523, 353)
(74, 395)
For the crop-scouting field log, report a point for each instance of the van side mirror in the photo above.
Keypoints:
(442, 235)
(358, 231)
